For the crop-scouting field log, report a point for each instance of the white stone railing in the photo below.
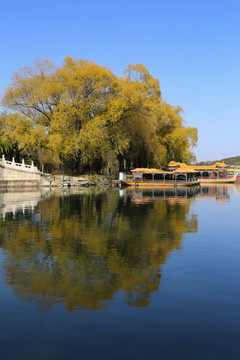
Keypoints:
(18, 166)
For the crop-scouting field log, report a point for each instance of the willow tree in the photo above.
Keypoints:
(155, 128)
(32, 93)
(175, 137)
(32, 140)
(88, 107)
(5, 143)
(30, 100)
(142, 96)
(84, 116)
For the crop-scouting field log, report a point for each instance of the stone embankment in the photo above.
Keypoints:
(13, 174)
(69, 181)
(17, 175)
(11, 170)
(63, 181)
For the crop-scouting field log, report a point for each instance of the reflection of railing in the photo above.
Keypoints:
(14, 202)
(12, 165)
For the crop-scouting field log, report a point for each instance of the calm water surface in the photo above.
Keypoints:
(120, 274)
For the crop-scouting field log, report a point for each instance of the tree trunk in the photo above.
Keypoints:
(121, 163)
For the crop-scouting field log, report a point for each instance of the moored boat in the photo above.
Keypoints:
(216, 173)
(227, 180)
(146, 178)
(231, 172)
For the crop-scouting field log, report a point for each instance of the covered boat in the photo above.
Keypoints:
(143, 177)
(216, 173)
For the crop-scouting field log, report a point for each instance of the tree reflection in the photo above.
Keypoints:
(81, 249)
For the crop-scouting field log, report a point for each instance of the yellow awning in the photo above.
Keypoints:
(186, 169)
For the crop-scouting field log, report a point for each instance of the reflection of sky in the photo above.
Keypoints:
(1, 260)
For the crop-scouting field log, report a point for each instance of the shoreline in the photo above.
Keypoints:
(59, 181)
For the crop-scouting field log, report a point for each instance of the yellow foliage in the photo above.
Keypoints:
(82, 111)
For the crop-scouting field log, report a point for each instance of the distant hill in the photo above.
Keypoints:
(234, 160)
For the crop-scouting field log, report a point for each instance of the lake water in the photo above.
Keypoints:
(120, 274)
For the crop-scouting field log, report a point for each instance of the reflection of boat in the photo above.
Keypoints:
(175, 195)
(216, 191)
(233, 187)
(140, 196)
(157, 178)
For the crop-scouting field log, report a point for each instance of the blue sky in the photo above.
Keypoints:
(192, 47)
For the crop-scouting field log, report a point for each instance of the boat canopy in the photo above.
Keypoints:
(185, 169)
(149, 171)
(175, 164)
(216, 166)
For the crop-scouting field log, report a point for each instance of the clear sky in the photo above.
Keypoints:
(191, 46)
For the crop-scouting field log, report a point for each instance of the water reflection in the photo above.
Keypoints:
(81, 249)
(174, 195)
(219, 192)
